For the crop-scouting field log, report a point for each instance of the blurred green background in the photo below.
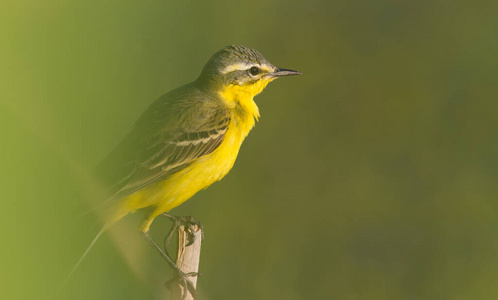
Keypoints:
(372, 176)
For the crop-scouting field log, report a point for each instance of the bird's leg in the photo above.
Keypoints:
(188, 222)
(182, 277)
(170, 234)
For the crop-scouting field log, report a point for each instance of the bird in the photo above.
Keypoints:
(186, 140)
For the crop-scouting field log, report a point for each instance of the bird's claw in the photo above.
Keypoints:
(189, 223)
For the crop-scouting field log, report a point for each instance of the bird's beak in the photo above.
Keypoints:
(283, 72)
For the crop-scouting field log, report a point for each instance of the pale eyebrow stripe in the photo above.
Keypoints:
(236, 67)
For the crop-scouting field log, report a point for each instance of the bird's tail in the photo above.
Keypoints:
(85, 253)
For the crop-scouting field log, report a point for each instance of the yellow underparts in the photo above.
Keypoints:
(179, 187)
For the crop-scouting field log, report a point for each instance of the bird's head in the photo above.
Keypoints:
(241, 69)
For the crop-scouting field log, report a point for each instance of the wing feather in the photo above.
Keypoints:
(168, 137)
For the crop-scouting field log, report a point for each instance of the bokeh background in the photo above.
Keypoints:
(371, 176)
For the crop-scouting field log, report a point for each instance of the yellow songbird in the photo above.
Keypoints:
(187, 139)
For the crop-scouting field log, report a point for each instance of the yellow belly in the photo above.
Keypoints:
(181, 186)
(199, 175)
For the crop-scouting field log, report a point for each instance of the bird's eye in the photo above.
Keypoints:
(254, 71)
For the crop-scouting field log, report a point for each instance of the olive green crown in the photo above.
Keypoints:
(231, 55)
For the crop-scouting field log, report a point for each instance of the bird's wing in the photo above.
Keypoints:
(168, 137)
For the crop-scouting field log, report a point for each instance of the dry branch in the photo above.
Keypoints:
(187, 260)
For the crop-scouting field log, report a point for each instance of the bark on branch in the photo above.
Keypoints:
(187, 260)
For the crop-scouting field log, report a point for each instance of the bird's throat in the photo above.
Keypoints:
(241, 100)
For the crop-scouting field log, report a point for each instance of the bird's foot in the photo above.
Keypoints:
(189, 223)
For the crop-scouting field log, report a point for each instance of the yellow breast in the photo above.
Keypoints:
(206, 170)
(213, 167)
